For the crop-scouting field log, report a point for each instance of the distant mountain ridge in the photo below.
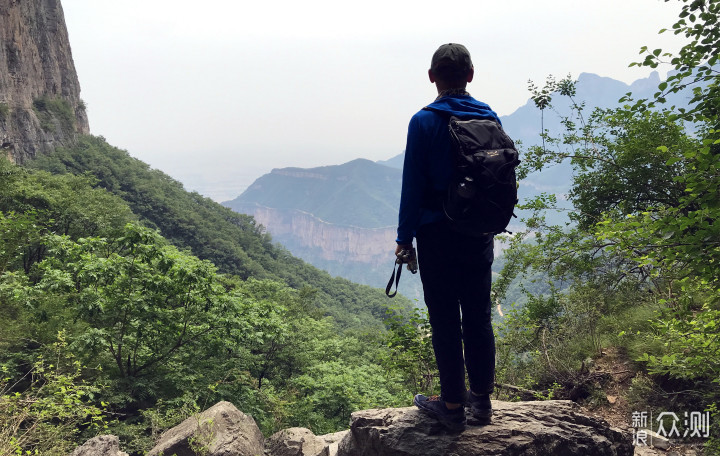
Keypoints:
(359, 193)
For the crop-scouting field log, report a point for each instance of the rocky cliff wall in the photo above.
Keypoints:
(334, 242)
(40, 105)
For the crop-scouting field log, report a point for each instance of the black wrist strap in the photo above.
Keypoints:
(399, 266)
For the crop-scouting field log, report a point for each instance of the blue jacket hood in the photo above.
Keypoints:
(464, 107)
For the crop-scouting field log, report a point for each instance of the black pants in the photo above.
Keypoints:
(456, 277)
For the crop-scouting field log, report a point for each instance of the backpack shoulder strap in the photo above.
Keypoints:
(442, 113)
(447, 115)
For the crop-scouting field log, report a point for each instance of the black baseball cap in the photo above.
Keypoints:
(451, 58)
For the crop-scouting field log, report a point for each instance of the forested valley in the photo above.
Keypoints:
(127, 303)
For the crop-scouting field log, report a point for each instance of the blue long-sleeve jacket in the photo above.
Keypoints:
(428, 165)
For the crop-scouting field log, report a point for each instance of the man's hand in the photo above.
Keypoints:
(402, 247)
(405, 254)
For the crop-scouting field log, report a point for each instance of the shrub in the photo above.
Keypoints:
(53, 113)
(45, 416)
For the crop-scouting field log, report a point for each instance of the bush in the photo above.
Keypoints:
(43, 412)
(54, 113)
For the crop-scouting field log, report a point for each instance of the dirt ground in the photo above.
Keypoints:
(619, 371)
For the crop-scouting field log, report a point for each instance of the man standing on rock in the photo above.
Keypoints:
(454, 267)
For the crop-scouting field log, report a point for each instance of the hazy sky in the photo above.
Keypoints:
(216, 93)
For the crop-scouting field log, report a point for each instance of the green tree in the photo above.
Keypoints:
(144, 301)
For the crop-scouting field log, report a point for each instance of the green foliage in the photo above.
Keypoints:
(690, 351)
(4, 111)
(694, 64)
(332, 390)
(679, 244)
(17, 232)
(552, 337)
(68, 205)
(55, 114)
(42, 412)
(635, 169)
(638, 268)
(411, 352)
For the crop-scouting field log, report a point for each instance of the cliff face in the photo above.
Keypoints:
(370, 246)
(339, 218)
(363, 255)
(40, 106)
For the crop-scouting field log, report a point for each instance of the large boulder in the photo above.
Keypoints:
(221, 430)
(296, 441)
(556, 428)
(102, 445)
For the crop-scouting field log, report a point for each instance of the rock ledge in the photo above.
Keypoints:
(555, 428)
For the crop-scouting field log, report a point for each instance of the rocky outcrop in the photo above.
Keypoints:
(518, 428)
(221, 430)
(556, 428)
(40, 105)
(102, 445)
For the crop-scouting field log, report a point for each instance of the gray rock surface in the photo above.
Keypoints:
(102, 445)
(658, 441)
(296, 441)
(221, 430)
(333, 441)
(556, 428)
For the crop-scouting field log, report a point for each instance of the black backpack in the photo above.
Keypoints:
(482, 194)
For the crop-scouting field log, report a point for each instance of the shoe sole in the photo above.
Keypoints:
(450, 425)
(483, 415)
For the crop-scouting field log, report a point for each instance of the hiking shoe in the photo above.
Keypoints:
(452, 419)
(480, 406)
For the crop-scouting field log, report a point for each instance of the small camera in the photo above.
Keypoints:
(408, 257)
